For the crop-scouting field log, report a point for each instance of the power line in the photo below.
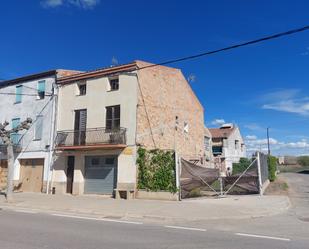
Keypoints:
(25, 94)
(37, 117)
(35, 89)
(266, 38)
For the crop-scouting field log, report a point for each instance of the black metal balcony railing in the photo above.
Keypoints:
(94, 136)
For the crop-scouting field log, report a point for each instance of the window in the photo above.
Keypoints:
(38, 128)
(186, 127)
(82, 89)
(113, 117)
(18, 96)
(15, 136)
(113, 84)
(242, 147)
(236, 144)
(41, 89)
(217, 150)
(207, 143)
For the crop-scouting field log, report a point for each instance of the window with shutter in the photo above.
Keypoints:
(113, 117)
(38, 128)
(15, 136)
(80, 127)
(41, 89)
(18, 96)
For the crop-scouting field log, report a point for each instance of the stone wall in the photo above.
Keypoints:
(169, 115)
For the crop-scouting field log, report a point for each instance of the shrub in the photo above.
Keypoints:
(241, 166)
(303, 160)
(272, 168)
(156, 170)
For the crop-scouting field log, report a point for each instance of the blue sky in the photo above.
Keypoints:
(259, 86)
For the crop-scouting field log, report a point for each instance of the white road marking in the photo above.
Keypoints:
(187, 228)
(25, 211)
(97, 219)
(262, 236)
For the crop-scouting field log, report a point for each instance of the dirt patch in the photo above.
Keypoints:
(278, 187)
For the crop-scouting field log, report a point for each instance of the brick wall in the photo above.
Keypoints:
(165, 94)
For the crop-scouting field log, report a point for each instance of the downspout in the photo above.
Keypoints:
(52, 135)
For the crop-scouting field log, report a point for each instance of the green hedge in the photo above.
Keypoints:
(272, 168)
(156, 170)
(241, 166)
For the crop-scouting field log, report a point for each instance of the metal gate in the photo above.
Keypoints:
(100, 174)
(198, 181)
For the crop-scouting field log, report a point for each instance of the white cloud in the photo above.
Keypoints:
(277, 147)
(254, 127)
(251, 137)
(218, 122)
(51, 3)
(289, 100)
(85, 4)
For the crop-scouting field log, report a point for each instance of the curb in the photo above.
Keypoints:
(147, 217)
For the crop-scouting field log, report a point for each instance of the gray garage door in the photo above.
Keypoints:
(100, 174)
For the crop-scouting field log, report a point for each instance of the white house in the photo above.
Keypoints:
(32, 97)
(227, 145)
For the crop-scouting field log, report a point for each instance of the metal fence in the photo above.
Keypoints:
(198, 181)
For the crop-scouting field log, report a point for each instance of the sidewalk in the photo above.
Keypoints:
(231, 207)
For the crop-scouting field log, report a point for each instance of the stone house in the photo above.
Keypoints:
(104, 115)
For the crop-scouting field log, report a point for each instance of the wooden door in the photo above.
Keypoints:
(70, 174)
(31, 175)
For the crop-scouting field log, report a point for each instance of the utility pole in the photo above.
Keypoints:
(6, 138)
(268, 146)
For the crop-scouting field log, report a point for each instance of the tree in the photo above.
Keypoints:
(5, 135)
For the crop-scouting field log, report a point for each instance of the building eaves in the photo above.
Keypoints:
(97, 73)
(15, 81)
(221, 133)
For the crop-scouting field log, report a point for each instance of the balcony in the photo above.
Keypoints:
(95, 138)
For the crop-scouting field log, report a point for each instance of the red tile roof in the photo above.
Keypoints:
(221, 133)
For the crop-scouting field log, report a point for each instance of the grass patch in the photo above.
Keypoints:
(285, 186)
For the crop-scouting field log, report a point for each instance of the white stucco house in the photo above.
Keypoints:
(104, 115)
(31, 96)
(227, 146)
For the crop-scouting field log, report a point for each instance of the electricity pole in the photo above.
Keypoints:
(268, 146)
(6, 138)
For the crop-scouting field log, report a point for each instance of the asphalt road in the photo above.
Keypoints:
(23, 230)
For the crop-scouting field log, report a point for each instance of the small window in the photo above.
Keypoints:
(38, 128)
(41, 89)
(82, 89)
(114, 84)
(18, 92)
(186, 127)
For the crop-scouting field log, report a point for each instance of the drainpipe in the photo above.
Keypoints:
(52, 135)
